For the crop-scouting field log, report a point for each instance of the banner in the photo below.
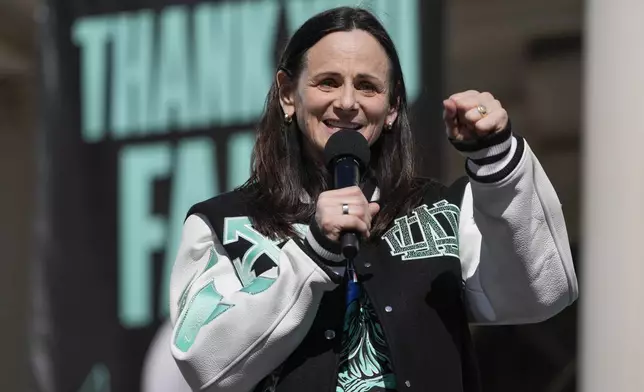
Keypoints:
(149, 107)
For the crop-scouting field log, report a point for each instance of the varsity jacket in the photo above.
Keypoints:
(249, 312)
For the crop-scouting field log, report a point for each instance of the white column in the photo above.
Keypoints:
(612, 288)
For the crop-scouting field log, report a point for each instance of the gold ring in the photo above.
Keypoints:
(345, 209)
(482, 110)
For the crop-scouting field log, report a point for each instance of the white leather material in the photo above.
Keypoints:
(515, 255)
(234, 351)
(160, 372)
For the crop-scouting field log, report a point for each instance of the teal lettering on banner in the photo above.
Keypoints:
(171, 103)
(298, 11)
(257, 22)
(238, 165)
(222, 81)
(92, 34)
(140, 232)
(213, 72)
(193, 178)
(130, 77)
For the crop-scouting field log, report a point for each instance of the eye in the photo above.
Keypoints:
(367, 87)
(327, 84)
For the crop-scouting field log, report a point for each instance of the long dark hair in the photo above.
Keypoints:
(281, 173)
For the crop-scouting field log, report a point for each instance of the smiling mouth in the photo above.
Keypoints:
(338, 125)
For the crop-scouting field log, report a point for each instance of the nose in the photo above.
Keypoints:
(347, 99)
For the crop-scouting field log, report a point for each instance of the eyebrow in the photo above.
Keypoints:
(360, 75)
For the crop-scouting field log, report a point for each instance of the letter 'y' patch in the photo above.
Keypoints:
(438, 227)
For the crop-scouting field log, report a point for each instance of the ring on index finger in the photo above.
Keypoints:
(345, 209)
(482, 110)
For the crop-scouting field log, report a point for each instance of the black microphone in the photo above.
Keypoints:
(347, 156)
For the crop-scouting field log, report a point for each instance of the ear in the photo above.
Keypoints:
(286, 91)
(392, 115)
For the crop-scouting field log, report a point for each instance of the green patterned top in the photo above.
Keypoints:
(364, 363)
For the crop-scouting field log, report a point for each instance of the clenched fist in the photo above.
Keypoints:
(471, 115)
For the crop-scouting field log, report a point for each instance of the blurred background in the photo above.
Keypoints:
(86, 179)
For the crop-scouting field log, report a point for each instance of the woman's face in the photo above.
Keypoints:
(344, 85)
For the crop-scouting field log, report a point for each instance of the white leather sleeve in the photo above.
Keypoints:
(515, 254)
(225, 339)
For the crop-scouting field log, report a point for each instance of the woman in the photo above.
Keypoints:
(259, 297)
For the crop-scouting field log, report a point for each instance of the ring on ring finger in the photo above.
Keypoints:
(345, 209)
(482, 110)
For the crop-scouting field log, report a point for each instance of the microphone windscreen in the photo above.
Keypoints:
(347, 143)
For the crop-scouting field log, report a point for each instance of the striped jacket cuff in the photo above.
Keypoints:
(495, 169)
(492, 158)
(333, 271)
(326, 251)
(331, 255)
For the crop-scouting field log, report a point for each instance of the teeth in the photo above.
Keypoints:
(341, 125)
